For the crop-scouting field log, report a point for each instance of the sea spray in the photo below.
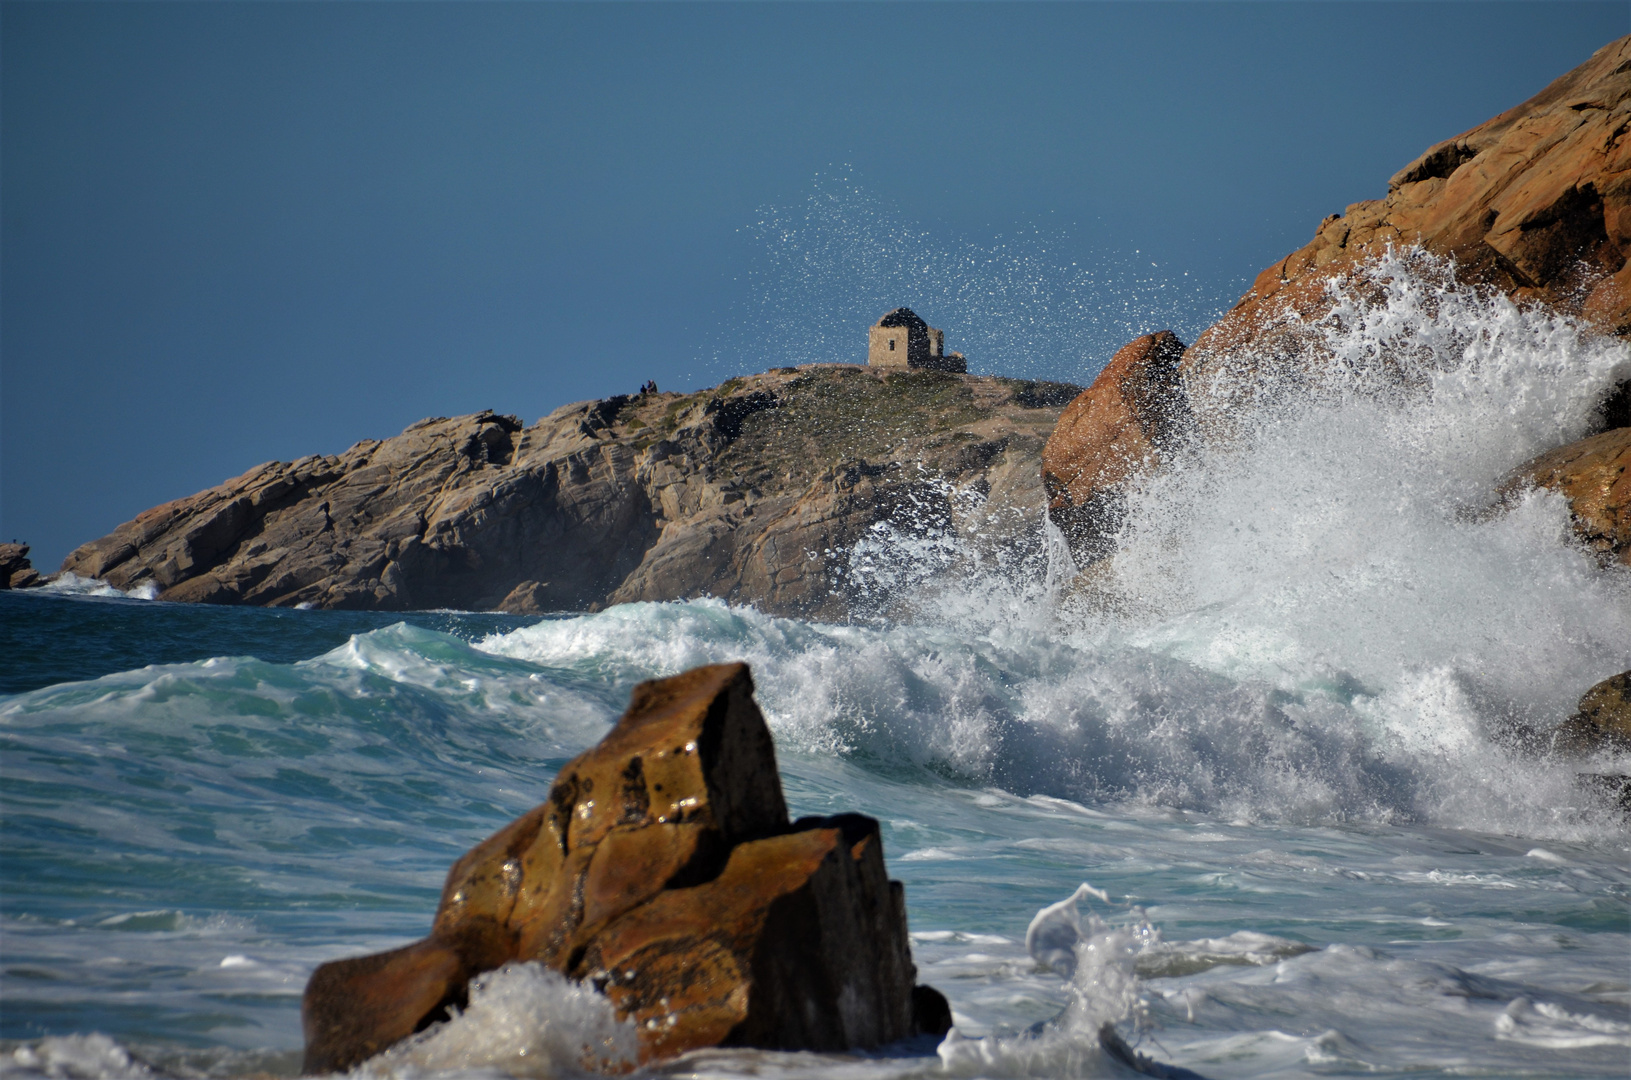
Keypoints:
(522, 1020)
(1327, 608)
(1033, 303)
(1098, 962)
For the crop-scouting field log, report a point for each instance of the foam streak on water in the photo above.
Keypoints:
(1277, 730)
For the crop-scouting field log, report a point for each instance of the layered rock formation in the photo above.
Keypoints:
(663, 870)
(753, 491)
(1535, 203)
(16, 572)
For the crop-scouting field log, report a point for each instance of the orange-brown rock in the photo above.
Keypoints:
(1134, 412)
(793, 946)
(1594, 474)
(662, 867)
(1535, 202)
(1603, 720)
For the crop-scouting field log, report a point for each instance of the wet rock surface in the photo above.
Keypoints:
(1135, 412)
(753, 491)
(1594, 474)
(1534, 203)
(1603, 720)
(663, 870)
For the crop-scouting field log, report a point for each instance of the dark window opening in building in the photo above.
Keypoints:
(891, 344)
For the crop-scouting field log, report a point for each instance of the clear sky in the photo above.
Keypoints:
(237, 232)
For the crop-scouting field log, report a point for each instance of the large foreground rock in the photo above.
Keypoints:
(663, 869)
(1534, 203)
(754, 491)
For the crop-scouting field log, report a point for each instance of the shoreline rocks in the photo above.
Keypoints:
(1594, 474)
(1534, 203)
(16, 572)
(1135, 413)
(662, 869)
(753, 491)
(1601, 722)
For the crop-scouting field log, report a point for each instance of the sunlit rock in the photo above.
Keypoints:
(663, 871)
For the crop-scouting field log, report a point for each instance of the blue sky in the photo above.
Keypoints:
(237, 232)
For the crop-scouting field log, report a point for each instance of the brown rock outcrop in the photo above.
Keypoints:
(16, 572)
(1134, 413)
(1603, 721)
(1534, 203)
(1594, 474)
(663, 870)
(753, 491)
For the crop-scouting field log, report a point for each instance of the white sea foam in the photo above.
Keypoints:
(71, 584)
(522, 1020)
(74, 1057)
(1097, 961)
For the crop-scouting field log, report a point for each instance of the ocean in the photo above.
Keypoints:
(1281, 736)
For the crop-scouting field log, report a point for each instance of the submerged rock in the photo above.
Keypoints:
(753, 491)
(662, 869)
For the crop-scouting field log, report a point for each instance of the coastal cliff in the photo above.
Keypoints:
(1533, 204)
(754, 491)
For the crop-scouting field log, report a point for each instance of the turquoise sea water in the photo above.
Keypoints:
(1275, 733)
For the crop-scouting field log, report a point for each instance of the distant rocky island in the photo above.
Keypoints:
(753, 491)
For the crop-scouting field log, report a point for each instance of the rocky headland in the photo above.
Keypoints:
(754, 491)
(1534, 204)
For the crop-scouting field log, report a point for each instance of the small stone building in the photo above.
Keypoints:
(903, 340)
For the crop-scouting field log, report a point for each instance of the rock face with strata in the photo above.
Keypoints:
(663, 870)
(16, 572)
(754, 491)
(1534, 203)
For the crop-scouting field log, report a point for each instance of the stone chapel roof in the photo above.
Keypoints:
(904, 316)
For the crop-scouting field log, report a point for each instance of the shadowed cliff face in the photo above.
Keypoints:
(753, 491)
